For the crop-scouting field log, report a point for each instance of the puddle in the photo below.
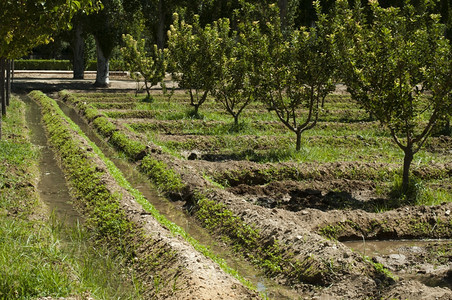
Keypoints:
(177, 215)
(387, 247)
(410, 259)
(52, 186)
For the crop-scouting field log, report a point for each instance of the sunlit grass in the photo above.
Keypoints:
(40, 257)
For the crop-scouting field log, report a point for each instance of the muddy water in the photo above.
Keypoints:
(387, 247)
(52, 186)
(399, 251)
(176, 214)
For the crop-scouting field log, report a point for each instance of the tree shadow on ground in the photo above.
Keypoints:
(332, 200)
(50, 85)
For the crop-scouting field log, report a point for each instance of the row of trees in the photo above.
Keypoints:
(27, 24)
(396, 63)
(126, 17)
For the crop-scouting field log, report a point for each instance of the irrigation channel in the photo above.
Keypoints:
(52, 186)
(54, 192)
(395, 252)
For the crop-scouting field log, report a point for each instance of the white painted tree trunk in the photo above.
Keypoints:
(103, 68)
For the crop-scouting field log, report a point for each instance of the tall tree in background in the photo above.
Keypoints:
(398, 66)
(106, 26)
(27, 24)
(118, 17)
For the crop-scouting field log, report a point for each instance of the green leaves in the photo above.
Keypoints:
(149, 66)
(399, 69)
(195, 54)
(26, 24)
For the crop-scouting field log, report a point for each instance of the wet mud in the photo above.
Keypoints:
(52, 186)
(176, 213)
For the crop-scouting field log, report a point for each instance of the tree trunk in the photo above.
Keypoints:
(406, 169)
(8, 81)
(2, 93)
(79, 53)
(103, 68)
(236, 121)
(196, 110)
(283, 6)
(2, 85)
(12, 70)
(161, 26)
(298, 143)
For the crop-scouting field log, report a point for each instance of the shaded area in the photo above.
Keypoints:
(57, 84)
(283, 195)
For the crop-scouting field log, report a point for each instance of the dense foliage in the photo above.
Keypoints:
(150, 66)
(26, 24)
(398, 66)
(379, 53)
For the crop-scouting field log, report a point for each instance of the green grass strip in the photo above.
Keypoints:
(117, 175)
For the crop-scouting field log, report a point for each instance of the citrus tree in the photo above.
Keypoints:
(397, 64)
(234, 85)
(296, 73)
(149, 66)
(193, 54)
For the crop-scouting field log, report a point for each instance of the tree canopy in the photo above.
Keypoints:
(27, 24)
(397, 65)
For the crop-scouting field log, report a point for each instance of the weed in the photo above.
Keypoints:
(331, 232)
(40, 257)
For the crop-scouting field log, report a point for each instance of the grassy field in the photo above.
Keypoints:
(40, 257)
(344, 133)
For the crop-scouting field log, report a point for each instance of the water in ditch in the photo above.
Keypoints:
(177, 215)
(403, 255)
(52, 186)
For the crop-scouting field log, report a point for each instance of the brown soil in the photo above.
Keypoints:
(294, 212)
(182, 272)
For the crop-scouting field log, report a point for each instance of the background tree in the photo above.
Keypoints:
(149, 66)
(398, 66)
(27, 24)
(107, 26)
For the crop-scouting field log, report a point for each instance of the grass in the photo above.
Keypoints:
(40, 257)
(418, 193)
(167, 179)
(343, 134)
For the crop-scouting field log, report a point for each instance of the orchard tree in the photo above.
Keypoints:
(398, 66)
(143, 65)
(234, 85)
(194, 56)
(297, 73)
